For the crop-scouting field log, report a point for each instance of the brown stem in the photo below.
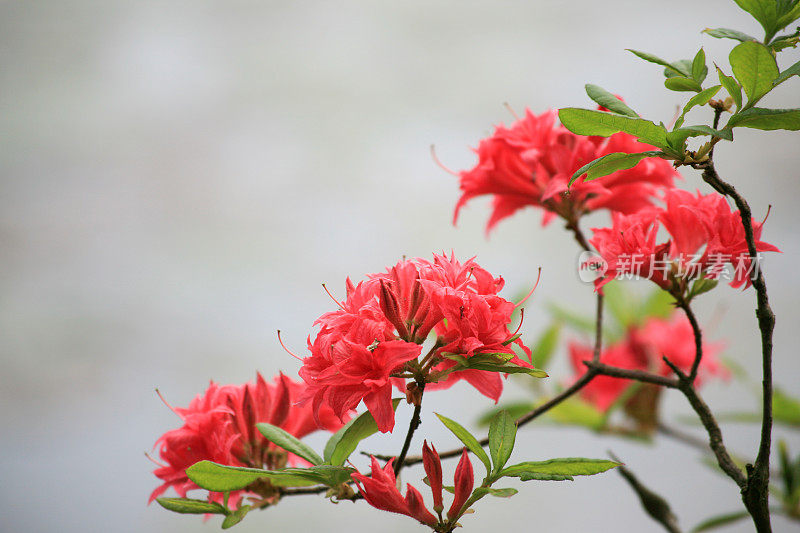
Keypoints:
(412, 427)
(755, 493)
(698, 338)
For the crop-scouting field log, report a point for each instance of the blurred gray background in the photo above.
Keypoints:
(178, 178)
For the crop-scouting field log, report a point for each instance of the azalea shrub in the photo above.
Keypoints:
(424, 324)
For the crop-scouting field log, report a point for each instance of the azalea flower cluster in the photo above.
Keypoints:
(704, 236)
(220, 426)
(375, 339)
(380, 489)
(643, 348)
(531, 163)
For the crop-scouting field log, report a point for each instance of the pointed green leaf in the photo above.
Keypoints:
(344, 442)
(785, 409)
(535, 476)
(609, 101)
(467, 439)
(221, 478)
(794, 70)
(191, 506)
(515, 409)
(235, 517)
(588, 122)
(699, 69)
(678, 137)
(721, 520)
(502, 434)
(501, 493)
(610, 163)
(574, 411)
(288, 442)
(755, 68)
(568, 466)
(545, 346)
(677, 69)
(678, 83)
(659, 304)
(766, 119)
(701, 286)
(727, 33)
(789, 11)
(701, 98)
(506, 368)
(732, 86)
(764, 11)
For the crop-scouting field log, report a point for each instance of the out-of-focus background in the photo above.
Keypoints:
(178, 178)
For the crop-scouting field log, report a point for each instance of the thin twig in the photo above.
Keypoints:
(412, 427)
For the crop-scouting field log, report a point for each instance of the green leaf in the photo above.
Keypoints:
(785, 41)
(764, 11)
(467, 439)
(569, 466)
(609, 101)
(755, 68)
(588, 122)
(515, 409)
(785, 409)
(682, 84)
(794, 70)
(191, 506)
(344, 442)
(235, 517)
(684, 65)
(288, 442)
(221, 478)
(701, 286)
(574, 411)
(502, 434)
(506, 368)
(699, 68)
(502, 493)
(610, 163)
(545, 346)
(727, 33)
(766, 119)
(789, 12)
(331, 475)
(732, 86)
(659, 304)
(720, 520)
(535, 476)
(701, 99)
(677, 68)
(681, 134)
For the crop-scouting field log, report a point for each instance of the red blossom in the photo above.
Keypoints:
(380, 491)
(704, 236)
(362, 348)
(643, 348)
(219, 426)
(531, 162)
(464, 481)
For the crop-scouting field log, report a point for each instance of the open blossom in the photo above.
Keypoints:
(704, 237)
(219, 426)
(643, 348)
(531, 162)
(363, 348)
(380, 489)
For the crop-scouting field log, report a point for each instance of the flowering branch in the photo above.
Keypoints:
(755, 490)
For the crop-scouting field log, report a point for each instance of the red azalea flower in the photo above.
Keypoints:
(705, 235)
(362, 349)
(643, 349)
(219, 426)
(531, 163)
(380, 489)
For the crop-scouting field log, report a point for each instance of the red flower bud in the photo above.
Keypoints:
(464, 481)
